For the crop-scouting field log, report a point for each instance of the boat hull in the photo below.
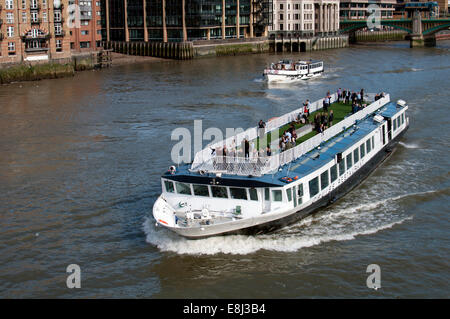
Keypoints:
(286, 78)
(295, 215)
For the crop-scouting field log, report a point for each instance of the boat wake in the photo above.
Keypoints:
(339, 222)
(409, 145)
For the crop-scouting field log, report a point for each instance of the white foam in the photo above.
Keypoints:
(343, 222)
(409, 145)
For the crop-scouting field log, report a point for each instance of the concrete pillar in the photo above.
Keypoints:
(164, 21)
(321, 18)
(144, 9)
(183, 3)
(251, 19)
(108, 38)
(223, 19)
(127, 33)
(208, 34)
(238, 33)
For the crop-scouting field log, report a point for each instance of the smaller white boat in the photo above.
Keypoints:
(289, 71)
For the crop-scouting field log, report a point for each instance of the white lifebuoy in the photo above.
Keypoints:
(172, 169)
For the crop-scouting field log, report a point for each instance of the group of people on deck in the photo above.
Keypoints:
(288, 139)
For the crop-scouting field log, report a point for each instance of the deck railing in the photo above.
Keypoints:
(211, 162)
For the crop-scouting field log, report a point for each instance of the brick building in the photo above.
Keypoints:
(33, 30)
(87, 34)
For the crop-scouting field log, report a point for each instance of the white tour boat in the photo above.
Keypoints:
(289, 71)
(217, 195)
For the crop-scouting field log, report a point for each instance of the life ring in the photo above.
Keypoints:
(172, 169)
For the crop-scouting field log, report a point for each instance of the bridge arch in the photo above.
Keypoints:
(436, 29)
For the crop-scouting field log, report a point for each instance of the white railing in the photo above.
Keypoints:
(206, 161)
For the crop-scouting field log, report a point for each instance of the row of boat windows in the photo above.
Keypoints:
(211, 191)
(329, 176)
(398, 121)
(315, 65)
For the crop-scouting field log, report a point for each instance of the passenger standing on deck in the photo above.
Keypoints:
(330, 119)
(344, 95)
(347, 98)
(247, 148)
(268, 151)
(306, 107)
(339, 95)
(362, 95)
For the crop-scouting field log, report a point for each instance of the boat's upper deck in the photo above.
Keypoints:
(299, 167)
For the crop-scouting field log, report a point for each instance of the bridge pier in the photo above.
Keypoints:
(418, 40)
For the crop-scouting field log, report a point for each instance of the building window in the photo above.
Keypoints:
(281, 6)
(24, 4)
(24, 17)
(44, 3)
(84, 32)
(58, 29)
(44, 16)
(281, 27)
(10, 32)
(11, 48)
(58, 46)
(281, 16)
(57, 16)
(9, 4)
(9, 17)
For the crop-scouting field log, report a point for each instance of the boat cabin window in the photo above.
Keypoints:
(356, 155)
(238, 193)
(169, 186)
(373, 142)
(276, 195)
(253, 194)
(403, 118)
(395, 124)
(313, 186)
(333, 173)
(362, 150)
(398, 121)
(183, 188)
(201, 190)
(368, 146)
(289, 194)
(324, 180)
(300, 194)
(219, 192)
(267, 194)
(341, 167)
(349, 161)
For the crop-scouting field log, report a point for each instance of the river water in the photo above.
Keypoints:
(81, 159)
